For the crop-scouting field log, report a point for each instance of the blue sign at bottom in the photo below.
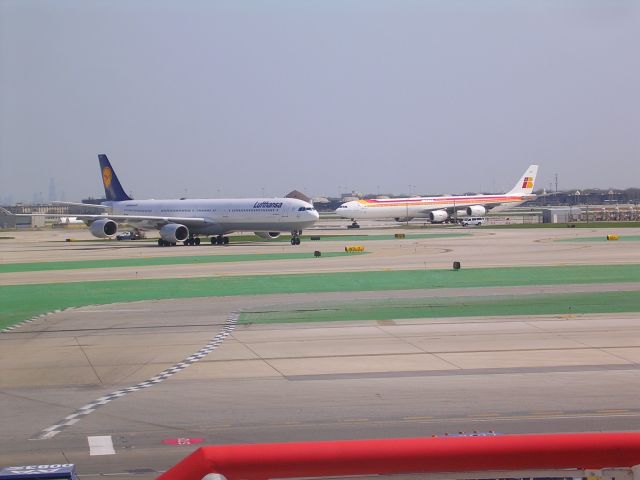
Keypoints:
(66, 471)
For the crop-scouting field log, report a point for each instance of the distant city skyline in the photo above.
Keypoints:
(245, 98)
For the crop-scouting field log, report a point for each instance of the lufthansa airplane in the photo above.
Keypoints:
(186, 220)
(440, 209)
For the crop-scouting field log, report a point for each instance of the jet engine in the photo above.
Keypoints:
(103, 228)
(403, 219)
(476, 211)
(267, 235)
(174, 233)
(438, 216)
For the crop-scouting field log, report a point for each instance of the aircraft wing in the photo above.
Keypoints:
(145, 221)
(489, 206)
(138, 221)
(450, 209)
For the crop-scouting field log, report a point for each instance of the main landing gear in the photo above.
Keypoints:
(295, 237)
(219, 240)
(354, 224)
(191, 241)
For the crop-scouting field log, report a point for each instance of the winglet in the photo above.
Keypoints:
(525, 184)
(112, 188)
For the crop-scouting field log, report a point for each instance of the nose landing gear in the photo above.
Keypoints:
(295, 237)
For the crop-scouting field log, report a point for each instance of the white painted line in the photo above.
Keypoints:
(122, 310)
(101, 445)
(91, 407)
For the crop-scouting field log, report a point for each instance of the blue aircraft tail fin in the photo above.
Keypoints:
(112, 188)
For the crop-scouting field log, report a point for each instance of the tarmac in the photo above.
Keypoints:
(190, 369)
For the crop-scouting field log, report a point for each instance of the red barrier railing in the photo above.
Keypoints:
(413, 455)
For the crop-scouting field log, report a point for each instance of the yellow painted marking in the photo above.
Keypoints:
(614, 410)
(293, 423)
(356, 420)
(547, 413)
(481, 415)
(417, 418)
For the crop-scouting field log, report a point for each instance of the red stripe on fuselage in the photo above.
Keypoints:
(440, 200)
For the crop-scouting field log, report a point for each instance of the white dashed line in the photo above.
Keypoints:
(69, 420)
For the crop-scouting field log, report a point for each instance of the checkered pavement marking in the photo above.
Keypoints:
(81, 412)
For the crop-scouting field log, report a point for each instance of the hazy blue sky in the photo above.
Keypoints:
(235, 98)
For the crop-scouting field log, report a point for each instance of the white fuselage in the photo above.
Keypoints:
(221, 216)
(419, 207)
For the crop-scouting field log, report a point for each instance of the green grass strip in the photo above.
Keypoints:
(20, 302)
(548, 304)
(628, 224)
(603, 238)
(156, 261)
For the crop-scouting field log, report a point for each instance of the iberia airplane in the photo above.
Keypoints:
(440, 209)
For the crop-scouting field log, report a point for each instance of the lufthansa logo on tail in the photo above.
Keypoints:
(106, 176)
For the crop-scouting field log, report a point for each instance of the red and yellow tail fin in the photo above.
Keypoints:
(525, 184)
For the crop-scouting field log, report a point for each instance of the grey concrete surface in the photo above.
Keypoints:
(478, 249)
(289, 382)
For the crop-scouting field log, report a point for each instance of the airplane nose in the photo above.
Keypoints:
(345, 210)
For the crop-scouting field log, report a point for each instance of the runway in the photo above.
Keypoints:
(395, 377)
